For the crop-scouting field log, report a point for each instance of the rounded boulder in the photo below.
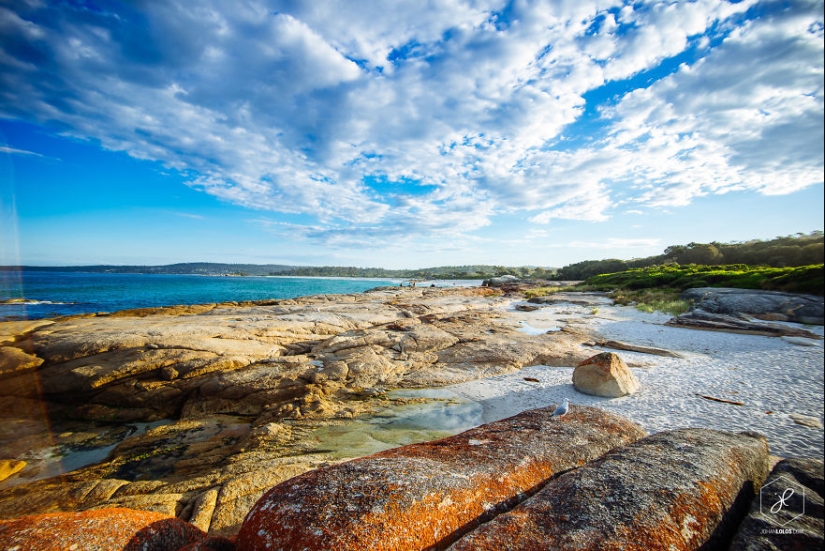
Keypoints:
(605, 375)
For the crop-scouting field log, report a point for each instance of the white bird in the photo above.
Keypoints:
(562, 409)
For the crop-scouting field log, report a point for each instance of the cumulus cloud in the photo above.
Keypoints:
(460, 110)
(747, 116)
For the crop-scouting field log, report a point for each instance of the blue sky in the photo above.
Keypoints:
(387, 134)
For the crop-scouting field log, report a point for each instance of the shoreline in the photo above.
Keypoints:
(773, 377)
(251, 395)
(85, 297)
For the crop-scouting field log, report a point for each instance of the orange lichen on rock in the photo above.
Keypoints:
(428, 494)
(676, 490)
(125, 529)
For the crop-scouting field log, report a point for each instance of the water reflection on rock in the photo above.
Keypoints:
(434, 413)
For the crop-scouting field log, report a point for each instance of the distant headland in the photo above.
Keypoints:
(800, 249)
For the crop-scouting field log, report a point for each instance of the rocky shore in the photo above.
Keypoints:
(194, 413)
(203, 408)
(583, 480)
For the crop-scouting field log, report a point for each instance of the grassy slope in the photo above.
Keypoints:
(801, 279)
(658, 287)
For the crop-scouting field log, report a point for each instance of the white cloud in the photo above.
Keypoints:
(613, 243)
(742, 118)
(13, 151)
(287, 106)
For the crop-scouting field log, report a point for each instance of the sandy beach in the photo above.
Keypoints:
(774, 378)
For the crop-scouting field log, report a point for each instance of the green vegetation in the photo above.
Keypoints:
(657, 288)
(647, 300)
(544, 291)
(652, 300)
(800, 250)
(795, 250)
(801, 279)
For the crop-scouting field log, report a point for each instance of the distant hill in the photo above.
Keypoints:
(190, 268)
(475, 271)
(794, 250)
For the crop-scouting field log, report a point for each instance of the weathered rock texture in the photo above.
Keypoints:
(740, 323)
(286, 358)
(424, 495)
(767, 305)
(675, 490)
(797, 522)
(605, 375)
(106, 529)
(239, 387)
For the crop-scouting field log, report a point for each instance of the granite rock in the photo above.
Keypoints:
(767, 305)
(677, 490)
(103, 529)
(428, 494)
(780, 519)
(605, 375)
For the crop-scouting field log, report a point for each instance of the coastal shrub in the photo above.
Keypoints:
(792, 250)
(652, 300)
(799, 279)
(544, 291)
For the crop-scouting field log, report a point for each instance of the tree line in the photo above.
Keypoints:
(793, 250)
(474, 271)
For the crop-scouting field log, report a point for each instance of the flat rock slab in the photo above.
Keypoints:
(102, 529)
(674, 490)
(788, 513)
(425, 495)
(700, 319)
(769, 305)
(618, 345)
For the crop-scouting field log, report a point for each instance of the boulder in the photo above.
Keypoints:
(783, 519)
(605, 375)
(499, 281)
(102, 529)
(684, 489)
(428, 494)
(768, 305)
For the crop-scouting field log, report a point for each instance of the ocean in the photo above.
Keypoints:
(53, 294)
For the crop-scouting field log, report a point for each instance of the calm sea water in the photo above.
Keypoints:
(51, 294)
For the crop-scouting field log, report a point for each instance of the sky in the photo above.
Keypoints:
(404, 134)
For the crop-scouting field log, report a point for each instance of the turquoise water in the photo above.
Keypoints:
(51, 294)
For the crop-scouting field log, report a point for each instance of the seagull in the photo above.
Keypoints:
(562, 409)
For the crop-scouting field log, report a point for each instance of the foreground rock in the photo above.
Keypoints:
(104, 529)
(783, 519)
(237, 389)
(605, 375)
(765, 305)
(425, 495)
(677, 490)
